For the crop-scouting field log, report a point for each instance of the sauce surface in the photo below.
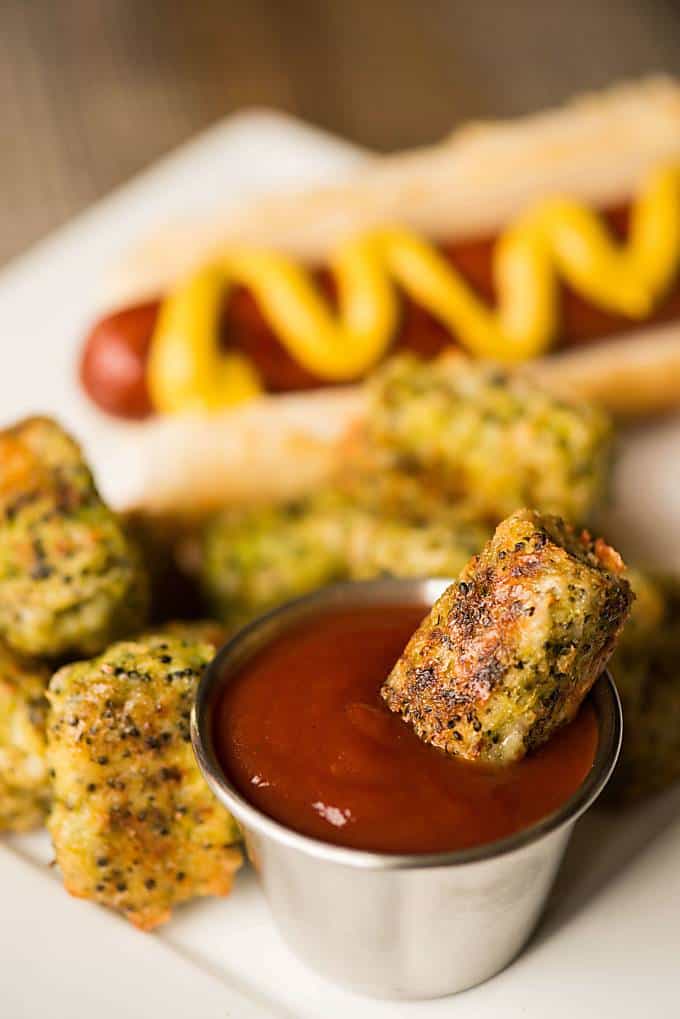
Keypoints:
(304, 735)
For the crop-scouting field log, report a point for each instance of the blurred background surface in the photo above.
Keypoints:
(92, 91)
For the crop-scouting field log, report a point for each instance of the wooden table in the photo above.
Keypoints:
(93, 90)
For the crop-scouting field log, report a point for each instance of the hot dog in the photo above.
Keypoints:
(243, 327)
(553, 241)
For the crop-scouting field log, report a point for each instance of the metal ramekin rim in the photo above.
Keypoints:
(604, 693)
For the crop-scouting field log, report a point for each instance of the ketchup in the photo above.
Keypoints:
(304, 735)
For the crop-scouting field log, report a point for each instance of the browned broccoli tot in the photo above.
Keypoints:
(134, 825)
(510, 650)
(484, 436)
(70, 581)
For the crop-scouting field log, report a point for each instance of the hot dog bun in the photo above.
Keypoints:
(272, 448)
(596, 148)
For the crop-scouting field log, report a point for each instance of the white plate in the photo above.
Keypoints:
(609, 942)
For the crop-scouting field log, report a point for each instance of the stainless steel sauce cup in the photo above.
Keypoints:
(412, 926)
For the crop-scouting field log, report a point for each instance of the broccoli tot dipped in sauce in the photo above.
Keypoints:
(70, 581)
(134, 825)
(508, 653)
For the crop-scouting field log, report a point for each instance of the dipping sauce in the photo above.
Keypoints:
(305, 737)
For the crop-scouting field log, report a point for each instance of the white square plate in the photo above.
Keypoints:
(609, 942)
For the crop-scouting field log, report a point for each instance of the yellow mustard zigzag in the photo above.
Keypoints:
(557, 239)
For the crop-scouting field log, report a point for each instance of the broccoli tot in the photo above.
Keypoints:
(646, 669)
(399, 546)
(647, 625)
(650, 756)
(487, 437)
(134, 825)
(510, 650)
(24, 784)
(201, 631)
(255, 558)
(70, 581)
